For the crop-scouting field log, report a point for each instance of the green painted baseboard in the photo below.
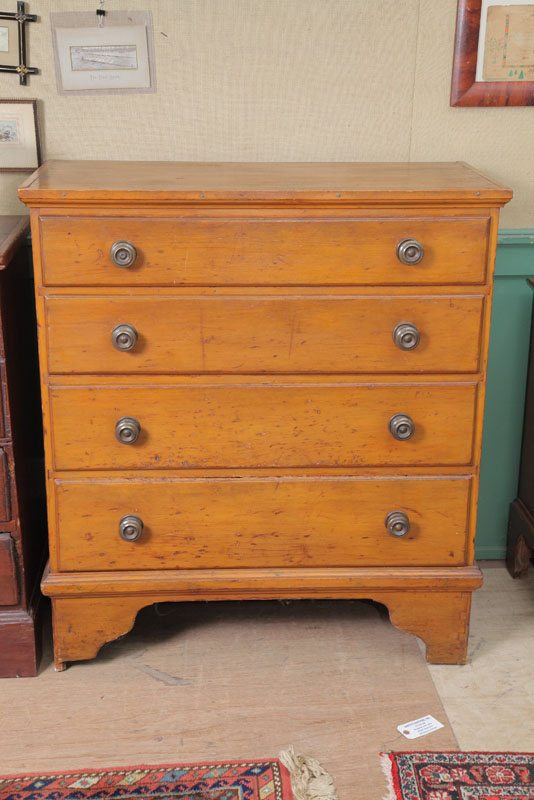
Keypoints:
(505, 392)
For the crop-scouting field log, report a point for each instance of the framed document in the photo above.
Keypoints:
(93, 56)
(494, 53)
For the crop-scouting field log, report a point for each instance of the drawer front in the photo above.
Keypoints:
(248, 252)
(261, 426)
(5, 487)
(263, 334)
(9, 589)
(278, 522)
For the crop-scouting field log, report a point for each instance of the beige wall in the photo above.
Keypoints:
(282, 80)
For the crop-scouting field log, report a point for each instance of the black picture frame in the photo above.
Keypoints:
(21, 69)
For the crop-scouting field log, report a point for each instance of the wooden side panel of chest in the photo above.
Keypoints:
(267, 387)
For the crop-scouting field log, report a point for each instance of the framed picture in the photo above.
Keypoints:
(13, 42)
(110, 54)
(494, 53)
(19, 136)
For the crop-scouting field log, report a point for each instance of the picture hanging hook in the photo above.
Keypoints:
(100, 13)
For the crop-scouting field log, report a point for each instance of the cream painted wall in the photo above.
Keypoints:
(283, 80)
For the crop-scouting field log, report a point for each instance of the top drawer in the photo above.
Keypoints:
(264, 252)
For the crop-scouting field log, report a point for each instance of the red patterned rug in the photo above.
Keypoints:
(459, 776)
(250, 780)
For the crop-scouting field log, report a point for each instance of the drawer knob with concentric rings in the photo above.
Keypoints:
(406, 336)
(124, 337)
(401, 427)
(397, 524)
(127, 430)
(123, 254)
(130, 528)
(410, 251)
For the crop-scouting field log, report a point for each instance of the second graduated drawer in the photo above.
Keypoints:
(271, 522)
(263, 334)
(289, 424)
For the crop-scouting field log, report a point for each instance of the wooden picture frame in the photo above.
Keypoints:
(466, 90)
(20, 148)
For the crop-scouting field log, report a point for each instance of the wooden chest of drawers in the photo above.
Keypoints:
(262, 381)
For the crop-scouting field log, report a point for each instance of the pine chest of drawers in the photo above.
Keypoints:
(262, 381)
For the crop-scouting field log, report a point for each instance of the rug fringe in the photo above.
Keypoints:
(387, 769)
(309, 780)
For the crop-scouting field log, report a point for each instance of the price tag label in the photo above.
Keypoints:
(419, 727)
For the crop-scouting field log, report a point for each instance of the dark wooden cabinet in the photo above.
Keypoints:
(521, 520)
(22, 503)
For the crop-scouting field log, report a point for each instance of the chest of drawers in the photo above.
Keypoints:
(262, 381)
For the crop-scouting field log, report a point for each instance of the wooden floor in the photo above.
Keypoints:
(195, 682)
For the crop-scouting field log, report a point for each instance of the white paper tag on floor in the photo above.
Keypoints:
(419, 727)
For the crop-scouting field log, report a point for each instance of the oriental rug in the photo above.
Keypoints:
(459, 776)
(233, 780)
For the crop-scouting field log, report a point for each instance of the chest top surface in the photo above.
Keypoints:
(68, 182)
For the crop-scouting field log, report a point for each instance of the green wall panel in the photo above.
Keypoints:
(505, 393)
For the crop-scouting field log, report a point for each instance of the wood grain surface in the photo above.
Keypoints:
(262, 252)
(157, 182)
(263, 334)
(272, 522)
(262, 426)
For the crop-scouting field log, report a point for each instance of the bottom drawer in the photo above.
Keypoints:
(205, 523)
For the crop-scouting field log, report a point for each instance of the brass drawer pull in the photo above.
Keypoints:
(130, 528)
(410, 251)
(397, 524)
(401, 427)
(123, 254)
(127, 430)
(124, 337)
(406, 336)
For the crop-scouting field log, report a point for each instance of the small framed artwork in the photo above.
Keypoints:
(13, 42)
(494, 53)
(19, 136)
(103, 55)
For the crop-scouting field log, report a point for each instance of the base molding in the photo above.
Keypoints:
(90, 609)
(20, 642)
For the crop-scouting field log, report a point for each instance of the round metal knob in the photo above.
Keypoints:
(397, 524)
(406, 336)
(124, 337)
(130, 528)
(123, 254)
(410, 251)
(127, 430)
(401, 427)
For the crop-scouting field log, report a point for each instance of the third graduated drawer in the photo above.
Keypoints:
(173, 523)
(264, 334)
(294, 422)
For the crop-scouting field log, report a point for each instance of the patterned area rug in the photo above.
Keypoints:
(459, 776)
(251, 780)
